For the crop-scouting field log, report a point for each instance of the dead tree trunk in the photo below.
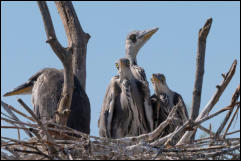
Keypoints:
(73, 57)
(200, 60)
(77, 39)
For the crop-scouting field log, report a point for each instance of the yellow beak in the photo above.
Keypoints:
(149, 34)
(154, 79)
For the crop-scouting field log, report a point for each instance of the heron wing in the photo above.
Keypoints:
(147, 111)
(107, 110)
(46, 92)
(184, 111)
(46, 95)
(139, 73)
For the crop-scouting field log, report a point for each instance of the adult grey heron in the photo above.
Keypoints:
(122, 113)
(163, 101)
(46, 88)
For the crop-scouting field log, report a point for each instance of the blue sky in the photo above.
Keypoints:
(172, 50)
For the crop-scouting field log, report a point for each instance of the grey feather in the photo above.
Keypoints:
(46, 93)
(123, 111)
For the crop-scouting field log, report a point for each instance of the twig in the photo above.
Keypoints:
(187, 136)
(18, 122)
(206, 130)
(49, 138)
(15, 110)
(6, 108)
(232, 104)
(15, 154)
(230, 123)
(32, 152)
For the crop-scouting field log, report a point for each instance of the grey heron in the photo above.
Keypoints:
(134, 41)
(163, 101)
(122, 113)
(46, 88)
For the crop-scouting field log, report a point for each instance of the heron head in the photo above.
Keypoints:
(123, 66)
(159, 82)
(136, 39)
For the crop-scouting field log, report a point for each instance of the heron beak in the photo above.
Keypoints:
(154, 79)
(22, 90)
(121, 65)
(148, 34)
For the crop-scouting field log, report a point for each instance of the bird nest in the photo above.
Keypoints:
(48, 140)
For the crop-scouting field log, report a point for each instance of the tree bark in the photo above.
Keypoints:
(196, 99)
(200, 60)
(65, 55)
(77, 39)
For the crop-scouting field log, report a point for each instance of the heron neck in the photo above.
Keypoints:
(126, 75)
(131, 55)
(163, 89)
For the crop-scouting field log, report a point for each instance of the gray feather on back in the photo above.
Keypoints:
(123, 112)
(46, 95)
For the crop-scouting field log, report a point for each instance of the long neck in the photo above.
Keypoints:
(131, 55)
(132, 60)
(163, 88)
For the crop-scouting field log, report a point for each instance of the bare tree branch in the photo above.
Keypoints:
(9, 111)
(49, 138)
(220, 88)
(232, 104)
(77, 39)
(206, 130)
(17, 111)
(197, 91)
(231, 121)
(219, 92)
(65, 55)
(50, 32)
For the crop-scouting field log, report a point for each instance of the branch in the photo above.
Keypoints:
(206, 130)
(197, 91)
(9, 111)
(230, 123)
(76, 38)
(50, 32)
(17, 111)
(49, 138)
(220, 88)
(196, 99)
(65, 55)
(232, 104)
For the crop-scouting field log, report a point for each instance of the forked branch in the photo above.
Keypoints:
(65, 55)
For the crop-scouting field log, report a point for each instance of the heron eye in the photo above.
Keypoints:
(117, 65)
(133, 38)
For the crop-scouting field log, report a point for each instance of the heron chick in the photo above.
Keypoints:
(122, 112)
(134, 41)
(46, 88)
(164, 99)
